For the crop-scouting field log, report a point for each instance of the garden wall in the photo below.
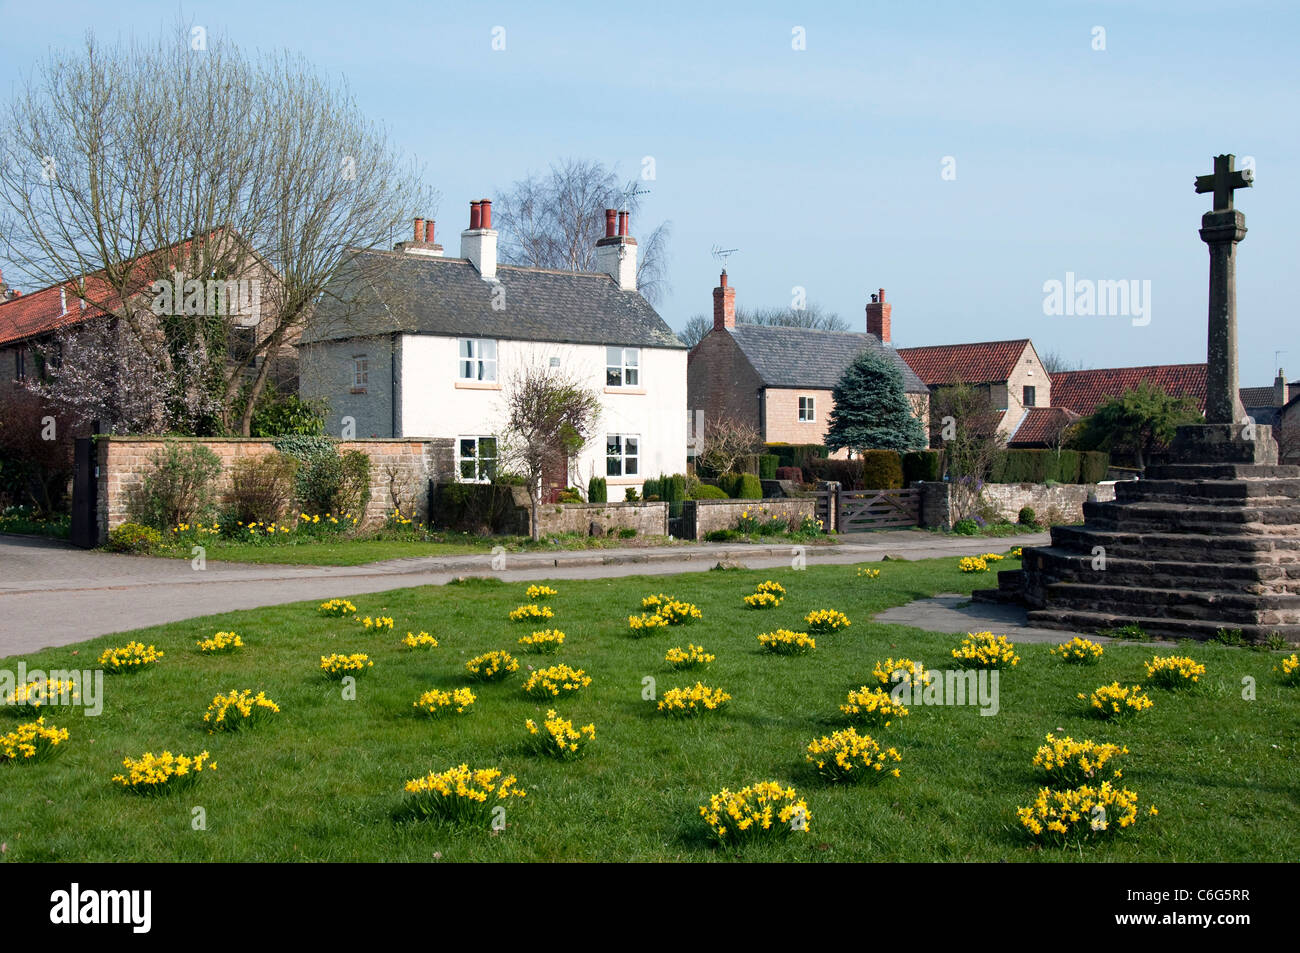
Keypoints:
(399, 471)
(709, 515)
(1066, 499)
(485, 508)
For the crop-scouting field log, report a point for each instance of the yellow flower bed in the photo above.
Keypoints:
(31, 742)
(378, 623)
(915, 674)
(163, 773)
(421, 640)
(461, 793)
(339, 665)
(991, 557)
(336, 608)
(865, 572)
(691, 701)
(221, 642)
(762, 600)
(237, 710)
(822, 621)
(646, 624)
(1116, 701)
(872, 706)
(973, 564)
(1080, 812)
(772, 586)
(531, 613)
(30, 697)
(653, 602)
(491, 666)
(435, 702)
(533, 593)
(765, 808)
(1289, 669)
(558, 738)
(1069, 763)
(983, 650)
(693, 656)
(678, 613)
(545, 642)
(1174, 671)
(1079, 651)
(849, 756)
(556, 681)
(131, 657)
(785, 642)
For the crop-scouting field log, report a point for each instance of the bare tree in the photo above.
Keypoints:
(697, 326)
(724, 442)
(1054, 362)
(184, 158)
(554, 221)
(964, 423)
(549, 417)
(814, 317)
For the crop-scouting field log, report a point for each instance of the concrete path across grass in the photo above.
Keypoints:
(53, 594)
(949, 612)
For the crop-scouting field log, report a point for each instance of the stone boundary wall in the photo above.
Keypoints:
(123, 462)
(599, 519)
(710, 515)
(1066, 499)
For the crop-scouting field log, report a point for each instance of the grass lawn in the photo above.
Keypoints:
(321, 780)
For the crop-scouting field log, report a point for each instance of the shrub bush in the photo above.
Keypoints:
(793, 474)
(922, 465)
(630, 495)
(354, 492)
(261, 488)
(597, 490)
(1068, 464)
(133, 538)
(177, 488)
(627, 532)
(965, 527)
(571, 495)
(882, 470)
(796, 454)
(1027, 516)
(707, 491)
(847, 473)
(1093, 465)
(749, 487)
(767, 466)
(651, 489)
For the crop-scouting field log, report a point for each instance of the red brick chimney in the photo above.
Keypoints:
(878, 317)
(419, 230)
(724, 304)
(428, 232)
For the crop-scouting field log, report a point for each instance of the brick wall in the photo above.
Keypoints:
(720, 382)
(399, 471)
(781, 409)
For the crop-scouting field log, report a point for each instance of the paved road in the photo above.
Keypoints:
(53, 594)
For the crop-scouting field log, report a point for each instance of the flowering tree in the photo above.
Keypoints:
(964, 422)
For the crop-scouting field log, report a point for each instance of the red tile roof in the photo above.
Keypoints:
(982, 363)
(1082, 391)
(1041, 425)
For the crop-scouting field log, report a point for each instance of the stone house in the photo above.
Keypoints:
(779, 380)
(421, 345)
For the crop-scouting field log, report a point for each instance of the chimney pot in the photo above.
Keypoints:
(475, 215)
(878, 313)
(485, 213)
(724, 304)
(419, 229)
(611, 222)
(428, 231)
(622, 223)
(882, 295)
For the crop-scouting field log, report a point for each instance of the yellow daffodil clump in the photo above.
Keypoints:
(646, 624)
(1174, 671)
(973, 564)
(556, 737)
(491, 666)
(762, 600)
(772, 586)
(544, 642)
(822, 621)
(914, 673)
(849, 756)
(1289, 669)
(337, 608)
(531, 613)
(1079, 651)
(163, 773)
(865, 572)
(556, 681)
(693, 656)
(991, 557)
(419, 640)
(685, 702)
(767, 808)
(378, 623)
(31, 742)
(785, 642)
(653, 602)
(984, 650)
(238, 710)
(340, 665)
(1017, 552)
(872, 706)
(678, 613)
(219, 643)
(30, 697)
(1116, 701)
(1068, 763)
(534, 593)
(461, 794)
(435, 702)
(1079, 813)
(131, 657)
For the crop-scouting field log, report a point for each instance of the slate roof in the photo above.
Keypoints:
(802, 357)
(1040, 425)
(420, 294)
(1257, 396)
(980, 363)
(1082, 391)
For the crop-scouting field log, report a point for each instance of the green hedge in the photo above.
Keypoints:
(922, 465)
(1093, 466)
(749, 488)
(707, 491)
(882, 470)
(796, 454)
(767, 464)
(597, 490)
(1041, 466)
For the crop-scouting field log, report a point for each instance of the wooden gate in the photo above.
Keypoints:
(876, 509)
(84, 531)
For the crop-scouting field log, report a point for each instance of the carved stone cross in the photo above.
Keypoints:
(1223, 181)
(1221, 229)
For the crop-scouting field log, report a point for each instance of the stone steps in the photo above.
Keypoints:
(1220, 471)
(1228, 608)
(1209, 492)
(1057, 564)
(1092, 621)
(1192, 517)
(1175, 547)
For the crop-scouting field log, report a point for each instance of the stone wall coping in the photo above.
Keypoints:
(115, 438)
(607, 506)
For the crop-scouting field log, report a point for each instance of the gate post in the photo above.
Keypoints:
(832, 507)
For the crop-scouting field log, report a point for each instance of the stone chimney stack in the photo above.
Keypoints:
(878, 317)
(616, 252)
(1281, 391)
(478, 243)
(724, 304)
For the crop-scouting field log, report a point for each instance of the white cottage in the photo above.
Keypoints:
(415, 344)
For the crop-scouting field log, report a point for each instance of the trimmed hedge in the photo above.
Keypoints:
(597, 490)
(922, 465)
(882, 470)
(1093, 466)
(767, 463)
(749, 488)
(796, 454)
(1041, 466)
(794, 474)
(707, 491)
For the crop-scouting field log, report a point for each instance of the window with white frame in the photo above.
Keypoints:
(478, 359)
(360, 372)
(622, 455)
(476, 459)
(622, 366)
(807, 410)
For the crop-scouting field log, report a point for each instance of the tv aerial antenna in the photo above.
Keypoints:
(632, 193)
(722, 254)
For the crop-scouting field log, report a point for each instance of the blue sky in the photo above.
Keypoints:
(823, 165)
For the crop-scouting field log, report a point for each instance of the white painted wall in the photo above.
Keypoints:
(434, 406)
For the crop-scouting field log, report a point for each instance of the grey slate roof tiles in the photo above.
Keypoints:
(800, 357)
